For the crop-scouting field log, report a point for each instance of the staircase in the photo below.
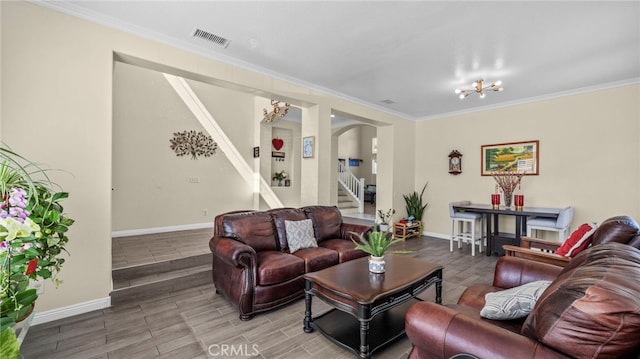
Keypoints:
(346, 203)
(152, 265)
(350, 191)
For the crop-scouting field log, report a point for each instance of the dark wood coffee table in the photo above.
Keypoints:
(369, 309)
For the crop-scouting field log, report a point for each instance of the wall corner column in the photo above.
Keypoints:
(317, 171)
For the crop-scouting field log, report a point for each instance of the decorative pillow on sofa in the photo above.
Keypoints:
(300, 235)
(513, 303)
(577, 241)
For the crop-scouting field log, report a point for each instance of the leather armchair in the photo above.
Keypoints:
(621, 229)
(590, 310)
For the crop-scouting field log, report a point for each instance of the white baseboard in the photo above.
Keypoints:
(64, 312)
(436, 235)
(182, 227)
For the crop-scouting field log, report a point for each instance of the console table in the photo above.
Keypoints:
(495, 239)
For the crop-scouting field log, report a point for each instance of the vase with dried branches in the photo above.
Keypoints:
(507, 182)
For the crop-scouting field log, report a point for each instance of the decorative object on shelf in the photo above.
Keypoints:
(495, 200)
(375, 243)
(33, 230)
(414, 204)
(506, 182)
(278, 156)
(277, 143)
(479, 87)
(518, 200)
(193, 143)
(385, 218)
(354, 162)
(280, 176)
(308, 144)
(510, 157)
(287, 183)
(455, 162)
(256, 152)
(278, 111)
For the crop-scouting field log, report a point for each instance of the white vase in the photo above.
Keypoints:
(376, 264)
(384, 227)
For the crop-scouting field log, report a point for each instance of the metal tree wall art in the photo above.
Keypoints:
(193, 143)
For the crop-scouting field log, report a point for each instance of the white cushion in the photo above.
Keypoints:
(467, 215)
(300, 235)
(513, 303)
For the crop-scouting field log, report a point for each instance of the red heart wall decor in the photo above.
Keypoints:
(277, 143)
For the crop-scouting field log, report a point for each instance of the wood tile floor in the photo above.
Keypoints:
(197, 323)
(153, 248)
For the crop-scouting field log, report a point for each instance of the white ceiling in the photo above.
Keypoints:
(413, 53)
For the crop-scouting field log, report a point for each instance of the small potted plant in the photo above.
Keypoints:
(280, 176)
(375, 243)
(385, 218)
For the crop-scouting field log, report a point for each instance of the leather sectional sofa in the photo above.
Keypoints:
(252, 265)
(591, 309)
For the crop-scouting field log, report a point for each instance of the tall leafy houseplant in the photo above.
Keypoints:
(33, 230)
(414, 205)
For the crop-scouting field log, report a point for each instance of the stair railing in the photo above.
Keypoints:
(353, 185)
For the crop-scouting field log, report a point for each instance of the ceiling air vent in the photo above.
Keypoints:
(388, 101)
(213, 38)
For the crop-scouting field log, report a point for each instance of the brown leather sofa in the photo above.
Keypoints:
(252, 266)
(591, 309)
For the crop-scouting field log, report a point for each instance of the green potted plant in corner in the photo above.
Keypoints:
(385, 218)
(32, 236)
(414, 205)
(376, 244)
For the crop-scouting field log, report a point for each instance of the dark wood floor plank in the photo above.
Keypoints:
(185, 323)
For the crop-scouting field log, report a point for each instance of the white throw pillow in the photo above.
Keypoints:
(513, 303)
(300, 234)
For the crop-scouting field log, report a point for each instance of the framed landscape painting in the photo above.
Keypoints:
(510, 157)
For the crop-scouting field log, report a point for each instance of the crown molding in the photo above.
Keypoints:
(578, 91)
(91, 16)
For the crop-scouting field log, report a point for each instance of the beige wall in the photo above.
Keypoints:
(151, 184)
(356, 143)
(589, 155)
(367, 133)
(57, 75)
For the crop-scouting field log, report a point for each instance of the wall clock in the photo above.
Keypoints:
(455, 162)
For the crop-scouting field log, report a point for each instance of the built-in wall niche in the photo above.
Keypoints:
(281, 156)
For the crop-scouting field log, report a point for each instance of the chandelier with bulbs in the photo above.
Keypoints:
(278, 111)
(479, 87)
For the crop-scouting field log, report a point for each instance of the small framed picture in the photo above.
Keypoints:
(308, 144)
